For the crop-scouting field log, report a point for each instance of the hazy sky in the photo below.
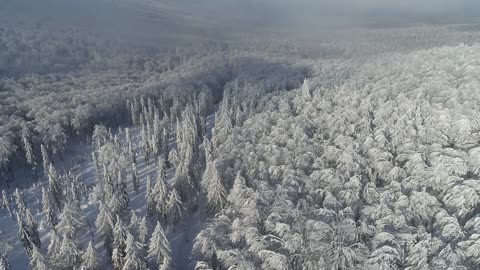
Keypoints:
(161, 18)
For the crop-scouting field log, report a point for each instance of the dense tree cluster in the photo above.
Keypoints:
(377, 172)
(293, 164)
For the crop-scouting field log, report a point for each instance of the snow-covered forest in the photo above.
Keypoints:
(346, 148)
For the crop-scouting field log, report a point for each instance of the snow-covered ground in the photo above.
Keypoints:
(78, 159)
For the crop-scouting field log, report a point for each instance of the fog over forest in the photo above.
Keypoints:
(239, 134)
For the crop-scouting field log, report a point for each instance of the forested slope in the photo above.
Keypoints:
(377, 170)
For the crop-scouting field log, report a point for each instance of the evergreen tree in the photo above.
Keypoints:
(32, 228)
(149, 198)
(135, 181)
(173, 158)
(48, 209)
(28, 148)
(54, 246)
(22, 208)
(104, 224)
(134, 222)
(306, 90)
(129, 140)
(45, 159)
(55, 187)
(71, 220)
(166, 141)
(6, 204)
(142, 231)
(100, 136)
(37, 260)
(4, 265)
(133, 255)
(24, 235)
(174, 206)
(69, 254)
(119, 244)
(122, 191)
(160, 191)
(213, 187)
(159, 247)
(90, 258)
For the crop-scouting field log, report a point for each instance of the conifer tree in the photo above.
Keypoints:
(122, 191)
(6, 204)
(213, 187)
(24, 235)
(69, 254)
(142, 231)
(160, 191)
(22, 208)
(159, 247)
(135, 181)
(105, 224)
(55, 187)
(45, 159)
(149, 199)
(119, 244)
(174, 206)
(37, 260)
(32, 228)
(4, 264)
(133, 254)
(134, 222)
(71, 219)
(28, 148)
(90, 258)
(54, 246)
(48, 209)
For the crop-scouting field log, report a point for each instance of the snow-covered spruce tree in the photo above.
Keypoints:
(119, 244)
(213, 187)
(20, 202)
(6, 203)
(24, 234)
(96, 163)
(174, 207)
(159, 247)
(134, 254)
(160, 191)
(156, 136)
(223, 123)
(4, 264)
(105, 225)
(122, 191)
(100, 136)
(142, 231)
(54, 246)
(69, 254)
(90, 258)
(48, 208)
(55, 186)
(135, 180)
(173, 158)
(149, 199)
(32, 227)
(134, 222)
(145, 142)
(72, 220)
(28, 148)
(166, 141)
(45, 159)
(306, 93)
(37, 260)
